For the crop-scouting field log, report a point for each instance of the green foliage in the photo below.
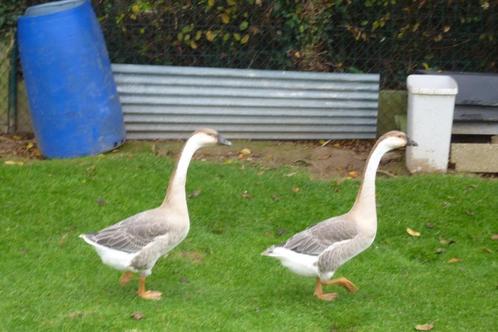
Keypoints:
(387, 36)
(9, 12)
(390, 37)
(216, 280)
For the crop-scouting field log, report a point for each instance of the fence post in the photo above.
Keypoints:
(12, 114)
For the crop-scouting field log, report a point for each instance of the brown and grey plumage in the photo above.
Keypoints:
(134, 244)
(321, 249)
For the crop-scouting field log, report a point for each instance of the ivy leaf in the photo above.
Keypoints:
(243, 25)
(210, 3)
(245, 39)
(193, 45)
(236, 36)
(198, 35)
(225, 18)
(210, 35)
(135, 9)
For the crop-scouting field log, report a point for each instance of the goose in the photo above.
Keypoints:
(134, 244)
(320, 250)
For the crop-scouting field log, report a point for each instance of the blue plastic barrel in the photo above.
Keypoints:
(73, 101)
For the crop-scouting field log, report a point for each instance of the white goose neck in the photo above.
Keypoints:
(364, 207)
(175, 195)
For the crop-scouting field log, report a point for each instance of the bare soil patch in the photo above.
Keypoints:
(344, 158)
(18, 147)
(323, 160)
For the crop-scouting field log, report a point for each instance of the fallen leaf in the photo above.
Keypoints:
(296, 189)
(291, 174)
(281, 231)
(246, 195)
(470, 213)
(29, 146)
(424, 327)
(194, 256)
(412, 232)
(245, 151)
(195, 193)
(353, 174)
(137, 315)
(275, 197)
(440, 250)
(75, 314)
(470, 187)
(302, 162)
(446, 242)
(454, 260)
(36, 153)
(487, 250)
(16, 138)
(100, 201)
(494, 237)
(13, 162)
(63, 239)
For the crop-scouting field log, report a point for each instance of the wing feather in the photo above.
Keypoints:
(314, 240)
(133, 233)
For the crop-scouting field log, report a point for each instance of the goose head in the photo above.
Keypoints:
(396, 139)
(208, 136)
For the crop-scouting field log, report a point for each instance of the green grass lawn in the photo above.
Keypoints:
(216, 279)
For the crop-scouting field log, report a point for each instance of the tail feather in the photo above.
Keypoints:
(88, 238)
(269, 251)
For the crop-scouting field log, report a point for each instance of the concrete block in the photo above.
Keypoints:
(472, 157)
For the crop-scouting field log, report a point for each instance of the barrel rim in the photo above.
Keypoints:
(52, 8)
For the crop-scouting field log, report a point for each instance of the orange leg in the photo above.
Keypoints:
(320, 294)
(342, 282)
(125, 278)
(147, 294)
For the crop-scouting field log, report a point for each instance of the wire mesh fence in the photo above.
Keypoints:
(7, 43)
(393, 38)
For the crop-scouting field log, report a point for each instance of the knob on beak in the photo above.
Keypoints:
(223, 140)
(411, 142)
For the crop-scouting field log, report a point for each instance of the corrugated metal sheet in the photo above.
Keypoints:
(165, 102)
